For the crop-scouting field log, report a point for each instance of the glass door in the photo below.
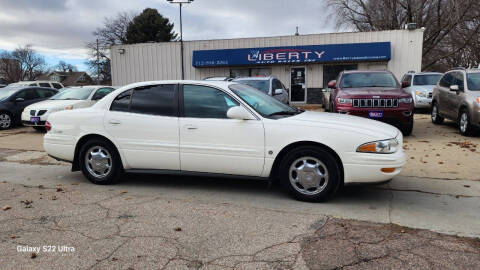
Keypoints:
(298, 88)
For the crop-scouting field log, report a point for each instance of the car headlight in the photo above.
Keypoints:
(69, 107)
(405, 100)
(382, 147)
(421, 93)
(345, 100)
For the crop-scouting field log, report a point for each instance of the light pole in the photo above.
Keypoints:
(180, 3)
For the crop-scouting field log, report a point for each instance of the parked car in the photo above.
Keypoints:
(220, 78)
(49, 84)
(420, 86)
(13, 99)
(373, 94)
(457, 97)
(269, 85)
(222, 129)
(69, 98)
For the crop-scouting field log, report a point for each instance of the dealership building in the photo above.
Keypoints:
(304, 63)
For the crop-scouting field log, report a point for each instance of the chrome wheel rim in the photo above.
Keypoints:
(308, 175)
(98, 161)
(464, 122)
(434, 113)
(5, 120)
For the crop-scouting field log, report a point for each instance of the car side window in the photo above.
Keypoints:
(28, 94)
(122, 102)
(101, 93)
(276, 85)
(458, 80)
(445, 81)
(45, 85)
(57, 85)
(407, 78)
(206, 102)
(154, 100)
(44, 93)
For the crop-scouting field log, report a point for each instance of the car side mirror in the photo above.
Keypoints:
(454, 88)
(405, 84)
(277, 92)
(332, 84)
(239, 113)
(19, 99)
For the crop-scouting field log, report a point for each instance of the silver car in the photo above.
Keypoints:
(269, 85)
(420, 85)
(457, 97)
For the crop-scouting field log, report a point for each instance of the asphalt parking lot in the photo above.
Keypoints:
(428, 217)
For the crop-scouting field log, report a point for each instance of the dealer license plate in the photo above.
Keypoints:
(375, 114)
(35, 119)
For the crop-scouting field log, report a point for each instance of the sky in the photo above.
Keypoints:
(59, 29)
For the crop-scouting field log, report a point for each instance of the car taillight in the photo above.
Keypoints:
(48, 126)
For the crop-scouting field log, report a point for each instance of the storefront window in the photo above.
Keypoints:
(250, 72)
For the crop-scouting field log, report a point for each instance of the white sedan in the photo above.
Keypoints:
(222, 129)
(68, 98)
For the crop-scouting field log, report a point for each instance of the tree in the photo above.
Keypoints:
(452, 27)
(113, 32)
(150, 26)
(29, 65)
(9, 68)
(64, 67)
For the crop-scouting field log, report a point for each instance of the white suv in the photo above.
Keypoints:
(420, 86)
(50, 84)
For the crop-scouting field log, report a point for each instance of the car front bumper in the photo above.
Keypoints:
(26, 119)
(422, 102)
(367, 168)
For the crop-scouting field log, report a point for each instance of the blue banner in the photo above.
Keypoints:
(352, 52)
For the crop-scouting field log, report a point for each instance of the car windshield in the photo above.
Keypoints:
(374, 79)
(6, 92)
(80, 93)
(473, 80)
(431, 79)
(263, 104)
(262, 85)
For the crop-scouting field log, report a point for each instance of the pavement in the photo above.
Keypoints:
(172, 222)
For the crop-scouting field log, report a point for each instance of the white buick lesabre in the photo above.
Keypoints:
(222, 129)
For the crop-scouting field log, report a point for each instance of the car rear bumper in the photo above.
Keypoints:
(61, 147)
(367, 168)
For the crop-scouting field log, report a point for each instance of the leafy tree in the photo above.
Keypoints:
(150, 26)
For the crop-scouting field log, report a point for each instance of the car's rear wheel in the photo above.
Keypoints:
(100, 162)
(436, 118)
(464, 124)
(6, 120)
(310, 174)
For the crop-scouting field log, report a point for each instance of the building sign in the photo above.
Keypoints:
(353, 52)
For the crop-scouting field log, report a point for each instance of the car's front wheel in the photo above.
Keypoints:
(6, 120)
(100, 162)
(310, 173)
(436, 118)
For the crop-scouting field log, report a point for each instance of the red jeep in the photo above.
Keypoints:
(373, 94)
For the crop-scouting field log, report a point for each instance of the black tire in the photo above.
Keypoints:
(468, 129)
(331, 183)
(437, 119)
(116, 167)
(4, 117)
(407, 128)
(332, 107)
(40, 129)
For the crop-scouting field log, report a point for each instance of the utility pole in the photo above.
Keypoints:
(98, 64)
(180, 3)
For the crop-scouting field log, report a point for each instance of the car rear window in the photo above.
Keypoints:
(262, 85)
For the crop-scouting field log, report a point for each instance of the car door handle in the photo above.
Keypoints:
(114, 122)
(191, 127)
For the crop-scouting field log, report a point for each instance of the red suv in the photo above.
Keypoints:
(373, 94)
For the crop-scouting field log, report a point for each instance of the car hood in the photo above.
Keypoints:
(351, 123)
(369, 92)
(51, 103)
(425, 88)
